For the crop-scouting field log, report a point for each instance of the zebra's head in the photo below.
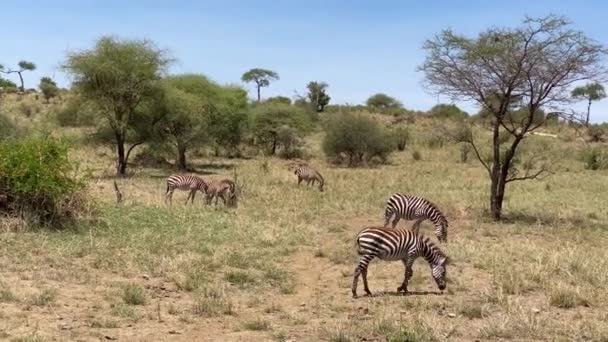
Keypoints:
(439, 271)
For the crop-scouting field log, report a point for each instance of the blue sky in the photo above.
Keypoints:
(358, 47)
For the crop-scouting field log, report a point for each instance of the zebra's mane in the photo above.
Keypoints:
(428, 243)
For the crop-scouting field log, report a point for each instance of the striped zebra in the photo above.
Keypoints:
(184, 183)
(309, 174)
(224, 189)
(397, 244)
(408, 207)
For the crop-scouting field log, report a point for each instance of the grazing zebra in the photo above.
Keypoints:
(224, 189)
(309, 174)
(408, 207)
(396, 244)
(184, 183)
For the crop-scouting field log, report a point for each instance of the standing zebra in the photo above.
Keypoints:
(224, 189)
(184, 183)
(408, 207)
(396, 244)
(309, 174)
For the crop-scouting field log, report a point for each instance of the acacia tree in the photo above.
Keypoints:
(185, 106)
(529, 67)
(317, 95)
(118, 75)
(590, 92)
(382, 101)
(261, 77)
(23, 66)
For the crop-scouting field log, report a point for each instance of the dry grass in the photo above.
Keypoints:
(279, 266)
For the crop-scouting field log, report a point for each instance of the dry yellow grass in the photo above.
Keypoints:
(279, 267)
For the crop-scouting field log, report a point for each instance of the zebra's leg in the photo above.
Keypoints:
(365, 287)
(193, 194)
(408, 274)
(169, 196)
(355, 281)
(188, 198)
(416, 226)
(299, 180)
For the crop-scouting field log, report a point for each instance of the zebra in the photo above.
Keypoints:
(309, 174)
(409, 207)
(398, 244)
(184, 183)
(224, 189)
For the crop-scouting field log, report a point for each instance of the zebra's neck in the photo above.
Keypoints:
(429, 251)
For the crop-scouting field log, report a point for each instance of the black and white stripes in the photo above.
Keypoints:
(309, 174)
(185, 183)
(408, 207)
(396, 244)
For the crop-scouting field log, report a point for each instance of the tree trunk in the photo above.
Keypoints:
(259, 93)
(181, 158)
(22, 85)
(588, 112)
(121, 162)
(274, 146)
(497, 191)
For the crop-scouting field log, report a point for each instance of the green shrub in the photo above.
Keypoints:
(447, 111)
(359, 138)
(277, 126)
(75, 113)
(36, 178)
(134, 295)
(595, 159)
(7, 128)
(401, 137)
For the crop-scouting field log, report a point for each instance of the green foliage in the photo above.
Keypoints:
(401, 137)
(269, 120)
(36, 177)
(120, 77)
(75, 112)
(25, 65)
(595, 159)
(358, 137)
(134, 295)
(228, 122)
(279, 99)
(49, 88)
(317, 95)
(7, 128)
(447, 111)
(383, 102)
(261, 77)
(4, 83)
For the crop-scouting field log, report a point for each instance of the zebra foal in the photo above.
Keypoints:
(396, 244)
(409, 207)
(224, 189)
(184, 183)
(309, 174)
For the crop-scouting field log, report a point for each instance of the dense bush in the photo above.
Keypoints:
(447, 111)
(7, 128)
(279, 126)
(357, 137)
(595, 159)
(75, 113)
(596, 134)
(37, 181)
(401, 137)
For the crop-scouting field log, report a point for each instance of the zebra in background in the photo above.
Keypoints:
(309, 174)
(224, 189)
(408, 207)
(396, 244)
(184, 183)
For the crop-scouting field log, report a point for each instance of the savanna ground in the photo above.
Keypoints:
(279, 267)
